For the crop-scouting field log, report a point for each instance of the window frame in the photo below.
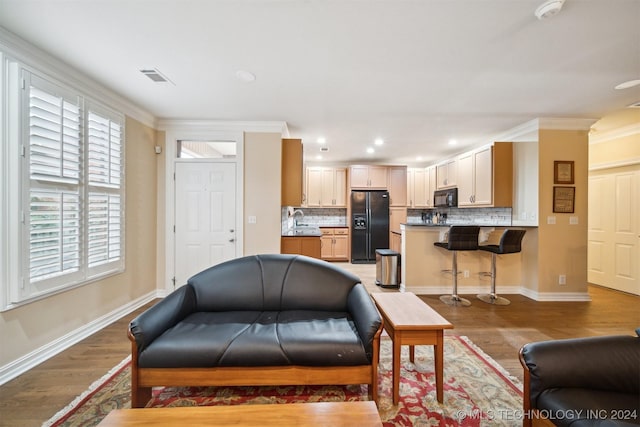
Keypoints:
(17, 288)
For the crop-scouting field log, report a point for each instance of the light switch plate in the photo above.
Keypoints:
(573, 220)
(252, 219)
(551, 219)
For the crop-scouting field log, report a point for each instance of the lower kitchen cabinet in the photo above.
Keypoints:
(335, 244)
(309, 246)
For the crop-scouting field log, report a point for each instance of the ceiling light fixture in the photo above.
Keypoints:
(318, 157)
(548, 9)
(321, 140)
(628, 84)
(379, 141)
(245, 76)
(370, 150)
(453, 142)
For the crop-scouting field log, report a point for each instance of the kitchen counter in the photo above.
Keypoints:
(303, 232)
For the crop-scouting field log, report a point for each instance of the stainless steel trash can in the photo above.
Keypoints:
(387, 268)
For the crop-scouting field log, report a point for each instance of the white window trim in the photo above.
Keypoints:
(13, 250)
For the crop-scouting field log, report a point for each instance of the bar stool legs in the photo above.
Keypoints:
(454, 298)
(492, 298)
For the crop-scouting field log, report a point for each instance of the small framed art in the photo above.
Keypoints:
(564, 199)
(563, 172)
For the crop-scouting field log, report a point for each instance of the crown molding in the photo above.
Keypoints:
(225, 126)
(565, 123)
(598, 137)
(45, 63)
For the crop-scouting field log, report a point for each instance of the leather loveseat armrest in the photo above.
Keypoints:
(365, 316)
(600, 363)
(165, 314)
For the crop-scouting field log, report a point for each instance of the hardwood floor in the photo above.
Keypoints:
(500, 331)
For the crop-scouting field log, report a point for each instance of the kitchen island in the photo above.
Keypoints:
(422, 262)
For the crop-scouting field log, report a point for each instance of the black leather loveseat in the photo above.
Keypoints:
(582, 382)
(258, 320)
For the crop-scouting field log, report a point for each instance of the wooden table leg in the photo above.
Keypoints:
(396, 370)
(438, 353)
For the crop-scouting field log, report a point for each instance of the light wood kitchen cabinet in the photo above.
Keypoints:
(447, 174)
(430, 185)
(309, 246)
(397, 185)
(334, 244)
(368, 177)
(397, 216)
(417, 184)
(291, 176)
(326, 187)
(485, 177)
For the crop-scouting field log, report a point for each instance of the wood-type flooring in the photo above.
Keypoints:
(500, 331)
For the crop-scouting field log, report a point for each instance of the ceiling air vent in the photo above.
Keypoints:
(155, 75)
(324, 149)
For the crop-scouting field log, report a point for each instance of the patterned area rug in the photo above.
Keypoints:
(477, 392)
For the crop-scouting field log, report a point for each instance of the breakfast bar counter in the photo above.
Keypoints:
(422, 262)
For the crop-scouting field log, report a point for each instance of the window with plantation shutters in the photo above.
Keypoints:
(54, 132)
(73, 200)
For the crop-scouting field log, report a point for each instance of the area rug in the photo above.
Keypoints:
(477, 392)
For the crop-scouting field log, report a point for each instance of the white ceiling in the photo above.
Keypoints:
(415, 73)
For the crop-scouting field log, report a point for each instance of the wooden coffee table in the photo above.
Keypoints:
(410, 321)
(285, 414)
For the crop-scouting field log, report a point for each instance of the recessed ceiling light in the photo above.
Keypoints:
(245, 76)
(453, 142)
(318, 157)
(628, 84)
(419, 158)
(370, 150)
(379, 141)
(321, 140)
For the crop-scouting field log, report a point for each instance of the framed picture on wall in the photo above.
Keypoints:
(564, 199)
(563, 172)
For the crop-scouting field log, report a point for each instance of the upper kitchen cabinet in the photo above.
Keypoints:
(397, 185)
(421, 183)
(368, 177)
(326, 187)
(291, 187)
(485, 176)
(416, 188)
(447, 174)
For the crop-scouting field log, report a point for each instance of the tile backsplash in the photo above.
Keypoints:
(479, 216)
(315, 216)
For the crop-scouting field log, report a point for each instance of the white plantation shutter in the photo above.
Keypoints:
(104, 176)
(54, 133)
(74, 202)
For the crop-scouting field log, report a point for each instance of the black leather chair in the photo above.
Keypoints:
(461, 238)
(510, 243)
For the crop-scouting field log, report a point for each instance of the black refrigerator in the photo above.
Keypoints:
(369, 226)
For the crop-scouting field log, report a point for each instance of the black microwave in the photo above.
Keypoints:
(446, 198)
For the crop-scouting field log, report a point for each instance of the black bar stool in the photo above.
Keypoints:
(461, 238)
(510, 243)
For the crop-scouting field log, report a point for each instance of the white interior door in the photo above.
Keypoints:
(205, 204)
(614, 229)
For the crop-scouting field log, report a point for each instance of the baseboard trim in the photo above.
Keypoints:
(556, 296)
(39, 355)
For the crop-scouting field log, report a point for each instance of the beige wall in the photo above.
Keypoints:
(30, 327)
(262, 192)
(562, 248)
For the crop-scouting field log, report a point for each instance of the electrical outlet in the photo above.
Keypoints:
(562, 279)
(465, 273)
(251, 219)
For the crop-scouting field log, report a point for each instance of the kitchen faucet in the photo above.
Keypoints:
(293, 215)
